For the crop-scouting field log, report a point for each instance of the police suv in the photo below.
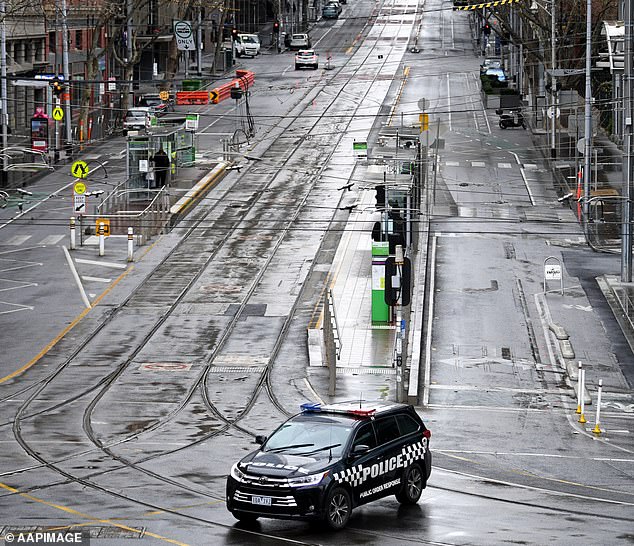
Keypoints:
(328, 459)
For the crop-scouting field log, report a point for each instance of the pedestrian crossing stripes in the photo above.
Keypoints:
(483, 164)
(19, 240)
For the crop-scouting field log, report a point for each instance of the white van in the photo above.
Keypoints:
(248, 45)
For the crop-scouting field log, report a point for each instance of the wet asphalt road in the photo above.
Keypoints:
(130, 423)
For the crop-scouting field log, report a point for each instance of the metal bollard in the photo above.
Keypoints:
(102, 239)
(73, 242)
(597, 428)
(582, 417)
(579, 387)
(130, 245)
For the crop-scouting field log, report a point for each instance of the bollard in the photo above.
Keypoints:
(582, 417)
(72, 233)
(597, 428)
(102, 239)
(579, 387)
(130, 245)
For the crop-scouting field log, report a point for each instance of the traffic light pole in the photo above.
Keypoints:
(67, 111)
(399, 261)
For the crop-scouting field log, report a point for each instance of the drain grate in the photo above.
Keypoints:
(236, 369)
(366, 371)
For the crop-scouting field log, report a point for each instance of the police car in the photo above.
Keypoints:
(328, 459)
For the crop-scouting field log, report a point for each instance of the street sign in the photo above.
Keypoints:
(561, 72)
(360, 149)
(79, 204)
(58, 114)
(164, 95)
(106, 226)
(79, 188)
(79, 169)
(184, 35)
(191, 122)
(550, 112)
(213, 96)
(552, 272)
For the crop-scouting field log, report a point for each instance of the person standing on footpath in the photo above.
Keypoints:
(161, 167)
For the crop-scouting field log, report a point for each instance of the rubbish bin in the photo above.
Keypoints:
(192, 85)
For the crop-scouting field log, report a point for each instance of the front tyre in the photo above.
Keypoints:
(413, 483)
(502, 125)
(337, 509)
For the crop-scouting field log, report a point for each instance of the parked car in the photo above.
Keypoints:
(137, 119)
(306, 57)
(336, 4)
(154, 102)
(496, 72)
(247, 44)
(299, 41)
(329, 12)
(490, 63)
(329, 459)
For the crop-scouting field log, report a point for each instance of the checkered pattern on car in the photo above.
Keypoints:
(354, 475)
(414, 452)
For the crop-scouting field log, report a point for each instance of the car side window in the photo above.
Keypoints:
(407, 425)
(386, 429)
(365, 436)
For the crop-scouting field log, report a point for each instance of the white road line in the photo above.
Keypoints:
(105, 264)
(478, 164)
(504, 166)
(54, 194)
(449, 102)
(19, 307)
(528, 188)
(52, 239)
(430, 313)
(452, 163)
(95, 279)
(76, 277)
(528, 454)
(17, 240)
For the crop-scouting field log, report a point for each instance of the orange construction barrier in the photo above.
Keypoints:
(192, 97)
(245, 79)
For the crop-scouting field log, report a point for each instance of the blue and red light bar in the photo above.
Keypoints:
(313, 407)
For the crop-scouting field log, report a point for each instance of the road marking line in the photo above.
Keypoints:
(52, 239)
(504, 166)
(478, 164)
(95, 279)
(68, 328)
(73, 270)
(17, 240)
(20, 307)
(88, 517)
(105, 264)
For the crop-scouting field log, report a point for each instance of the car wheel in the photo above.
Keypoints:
(412, 487)
(296, 67)
(316, 67)
(244, 517)
(502, 125)
(337, 509)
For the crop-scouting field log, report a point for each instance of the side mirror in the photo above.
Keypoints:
(260, 439)
(359, 449)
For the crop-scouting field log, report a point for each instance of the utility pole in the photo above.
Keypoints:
(3, 90)
(553, 79)
(587, 166)
(628, 145)
(67, 111)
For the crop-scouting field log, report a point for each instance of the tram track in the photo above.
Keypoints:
(173, 288)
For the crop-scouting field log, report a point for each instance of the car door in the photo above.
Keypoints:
(360, 465)
(389, 459)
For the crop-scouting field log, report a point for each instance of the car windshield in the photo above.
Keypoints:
(306, 54)
(151, 102)
(309, 436)
(135, 114)
(298, 37)
(249, 40)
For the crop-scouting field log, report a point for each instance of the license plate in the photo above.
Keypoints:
(263, 501)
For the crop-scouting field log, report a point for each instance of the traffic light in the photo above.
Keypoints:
(486, 29)
(276, 27)
(403, 286)
(58, 88)
(234, 33)
(380, 196)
